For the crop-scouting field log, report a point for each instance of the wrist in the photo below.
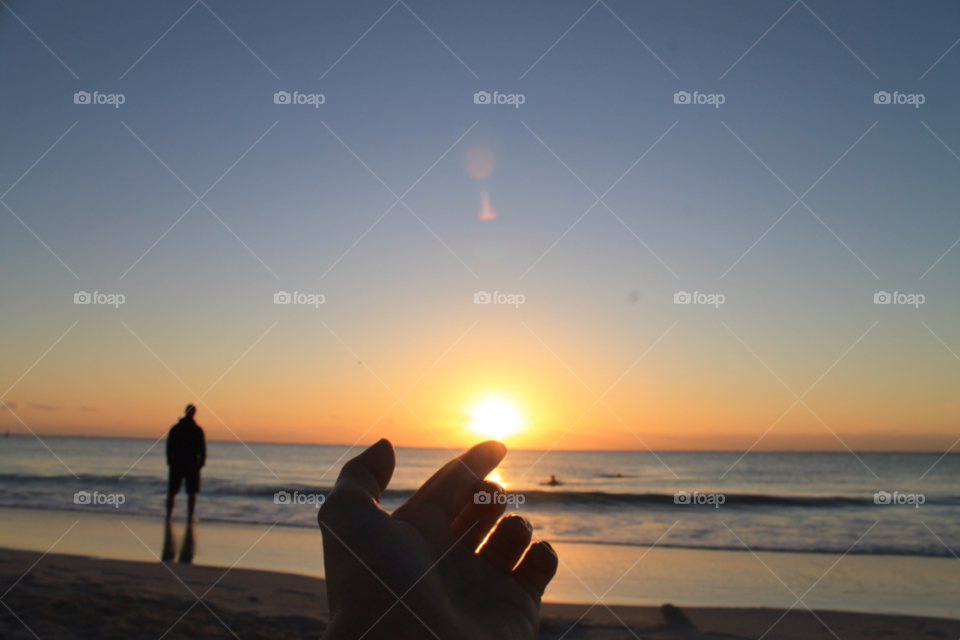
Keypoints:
(343, 629)
(395, 625)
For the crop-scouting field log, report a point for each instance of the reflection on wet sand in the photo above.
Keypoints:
(187, 551)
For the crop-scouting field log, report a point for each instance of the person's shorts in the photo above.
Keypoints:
(177, 476)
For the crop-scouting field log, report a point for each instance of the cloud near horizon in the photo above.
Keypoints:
(42, 407)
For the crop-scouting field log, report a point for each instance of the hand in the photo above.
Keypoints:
(426, 555)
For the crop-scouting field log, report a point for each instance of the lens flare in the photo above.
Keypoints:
(486, 211)
(479, 162)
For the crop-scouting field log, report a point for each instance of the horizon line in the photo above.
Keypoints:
(638, 450)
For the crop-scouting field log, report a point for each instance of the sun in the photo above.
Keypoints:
(495, 418)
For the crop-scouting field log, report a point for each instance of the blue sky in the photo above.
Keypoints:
(598, 81)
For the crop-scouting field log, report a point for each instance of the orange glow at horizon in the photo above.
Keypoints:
(305, 387)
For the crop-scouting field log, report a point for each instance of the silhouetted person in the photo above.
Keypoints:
(186, 453)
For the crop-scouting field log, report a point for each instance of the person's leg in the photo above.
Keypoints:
(173, 487)
(193, 488)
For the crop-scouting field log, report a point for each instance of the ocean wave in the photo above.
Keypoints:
(707, 543)
(15, 483)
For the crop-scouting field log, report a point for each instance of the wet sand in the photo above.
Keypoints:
(68, 597)
(907, 585)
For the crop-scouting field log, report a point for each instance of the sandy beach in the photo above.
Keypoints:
(65, 596)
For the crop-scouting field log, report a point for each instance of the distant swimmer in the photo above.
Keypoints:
(553, 482)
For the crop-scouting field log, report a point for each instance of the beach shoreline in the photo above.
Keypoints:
(625, 575)
(68, 596)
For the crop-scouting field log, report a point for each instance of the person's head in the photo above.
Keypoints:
(190, 411)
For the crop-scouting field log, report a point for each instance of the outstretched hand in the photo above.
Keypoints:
(421, 572)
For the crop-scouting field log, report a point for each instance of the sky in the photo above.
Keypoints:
(787, 209)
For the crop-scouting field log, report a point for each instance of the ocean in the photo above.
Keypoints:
(787, 502)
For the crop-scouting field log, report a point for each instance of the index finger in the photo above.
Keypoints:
(453, 485)
(362, 481)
